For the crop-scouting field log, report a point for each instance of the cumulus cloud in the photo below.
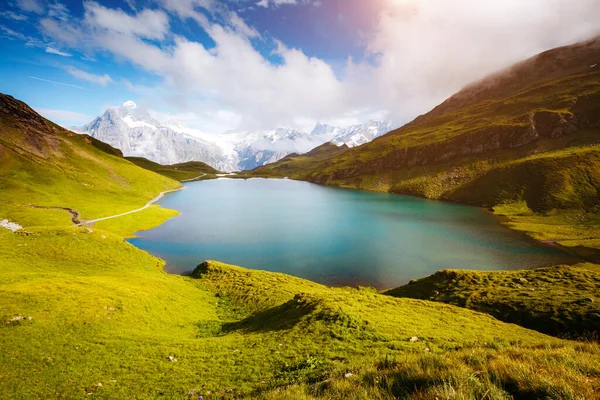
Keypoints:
(419, 52)
(86, 76)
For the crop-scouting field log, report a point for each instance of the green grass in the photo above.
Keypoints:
(127, 225)
(77, 176)
(496, 372)
(561, 300)
(568, 228)
(105, 312)
(193, 170)
(297, 165)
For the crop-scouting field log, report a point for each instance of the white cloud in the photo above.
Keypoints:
(86, 76)
(58, 11)
(13, 16)
(240, 26)
(429, 49)
(185, 9)
(131, 4)
(268, 3)
(207, 118)
(421, 52)
(149, 24)
(62, 115)
(63, 32)
(52, 50)
(36, 6)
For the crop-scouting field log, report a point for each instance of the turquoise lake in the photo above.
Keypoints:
(333, 236)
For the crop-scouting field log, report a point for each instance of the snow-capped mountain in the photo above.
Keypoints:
(135, 132)
(354, 135)
(259, 148)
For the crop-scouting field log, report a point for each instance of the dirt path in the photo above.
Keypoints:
(193, 179)
(75, 217)
(154, 200)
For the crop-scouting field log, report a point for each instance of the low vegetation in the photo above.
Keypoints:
(560, 300)
(496, 372)
(297, 165)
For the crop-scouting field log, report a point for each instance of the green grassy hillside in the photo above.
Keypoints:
(561, 300)
(526, 139)
(107, 321)
(193, 170)
(46, 169)
(297, 165)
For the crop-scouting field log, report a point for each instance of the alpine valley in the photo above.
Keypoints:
(136, 133)
(87, 314)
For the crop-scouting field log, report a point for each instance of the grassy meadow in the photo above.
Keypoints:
(86, 314)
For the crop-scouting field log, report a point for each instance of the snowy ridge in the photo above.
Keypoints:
(136, 133)
(133, 131)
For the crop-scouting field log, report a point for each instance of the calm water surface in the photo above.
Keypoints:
(333, 236)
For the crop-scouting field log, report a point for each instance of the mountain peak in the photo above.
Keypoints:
(129, 104)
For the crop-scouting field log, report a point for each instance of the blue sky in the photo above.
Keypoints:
(258, 64)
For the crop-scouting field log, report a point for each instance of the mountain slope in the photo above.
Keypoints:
(559, 300)
(44, 165)
(297, 165)
(264, 147)
(181, 172)
(545, 104)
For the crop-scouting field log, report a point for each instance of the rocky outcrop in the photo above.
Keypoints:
(553, 124)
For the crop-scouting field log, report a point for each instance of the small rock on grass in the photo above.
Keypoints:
(413, 339)
(18, 318)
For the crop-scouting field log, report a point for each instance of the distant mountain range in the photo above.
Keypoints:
(136, 133)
